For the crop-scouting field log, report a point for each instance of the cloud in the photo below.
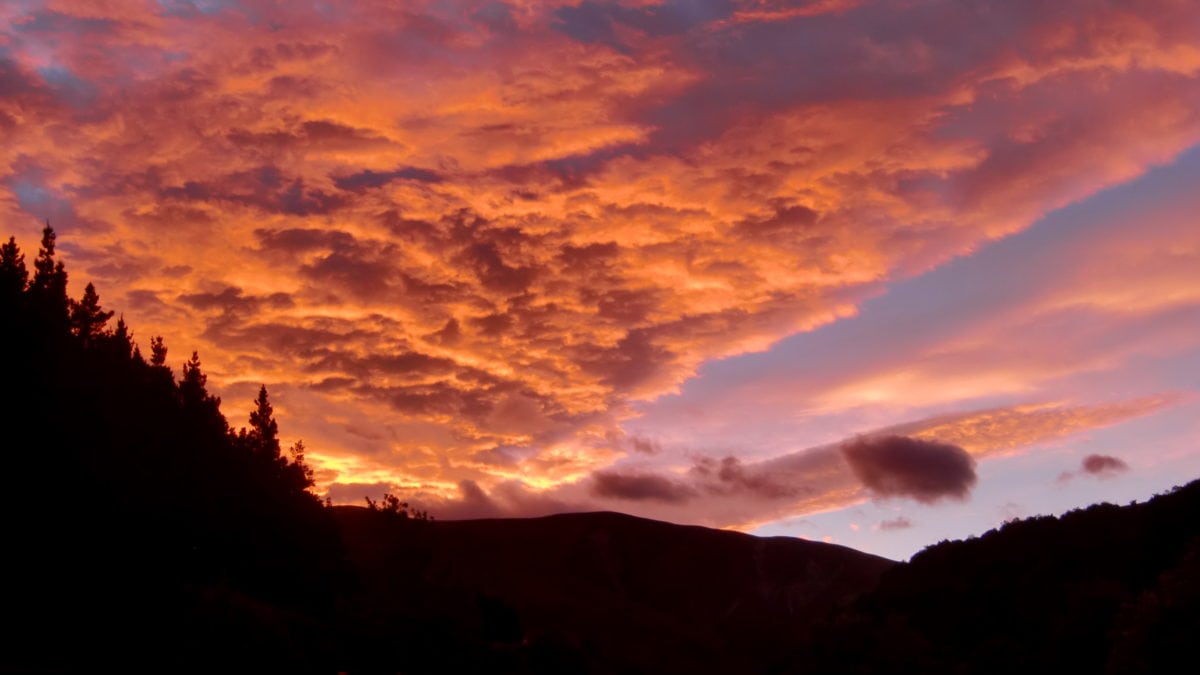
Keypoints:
(1001, 430)
(646, 446)
(372, 179)
(233, 299)
(730, 476)
(897, 523)
(1096, 466)
(1103, 465)
(899, 466)
(640, 487)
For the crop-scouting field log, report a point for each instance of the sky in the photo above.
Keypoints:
(878, 273)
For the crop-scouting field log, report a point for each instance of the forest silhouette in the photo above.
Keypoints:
(144, 532)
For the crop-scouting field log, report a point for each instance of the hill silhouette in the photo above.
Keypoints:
(602, 592)
(1103, 589)
(145, 533)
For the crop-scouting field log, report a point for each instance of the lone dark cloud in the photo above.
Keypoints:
(640, 487)
(1103, 465)
(899, 466)
(1096, 466)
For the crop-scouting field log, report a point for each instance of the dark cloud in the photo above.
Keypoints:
(265, 188)
(141, 299)
(496, 17)
(486, 259)
(899, 466)
(898, 50)
(448, 334)
(434, 398)
(403, 363)
(50, 21)
(325, 130)
(785, 222)
(589, 22)
(266, 58)
(599, 22)
(303, 341)
(300, 240)
(635, 360)
(897, 523)
(729, 476)
(311, 133)
(640, 487)
(645, 446)
(625, 306)
(366, 275)
(365, 268)
(333, 384)
(574, 257)
(1095, 466)
(474, 502)
(493, 324)
(1103, 465)
(365, 180)
(232, 300)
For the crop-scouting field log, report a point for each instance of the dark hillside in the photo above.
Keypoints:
(1103, 589)
(607, 592)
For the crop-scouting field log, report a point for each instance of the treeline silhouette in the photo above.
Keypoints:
(141, 527)
(143, 532)
(1106, 589)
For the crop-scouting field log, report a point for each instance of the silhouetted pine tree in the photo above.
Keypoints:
(263, 435)
(48, 290)
(14, 277)
(88, 320)
(300, 474)
(158, 352)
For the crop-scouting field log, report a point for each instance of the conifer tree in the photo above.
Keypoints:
(87, 319)
(49, 286)
(300, 472)
(14, 276)
(158, 352)
(192, 385)
(200, 407)
(122, 340)
(263, 436)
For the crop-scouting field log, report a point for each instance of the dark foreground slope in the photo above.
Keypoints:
(1105, 589)
(596, 592)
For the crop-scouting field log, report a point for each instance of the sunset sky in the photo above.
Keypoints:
(874, 272)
